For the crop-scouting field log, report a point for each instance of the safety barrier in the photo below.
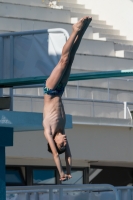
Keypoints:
(61, 192)
(86, 107)
(71, 192)
(125, 193)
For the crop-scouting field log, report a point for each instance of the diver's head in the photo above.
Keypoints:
(60, 143)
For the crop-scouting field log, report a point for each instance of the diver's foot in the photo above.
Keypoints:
(80, 24)
(86, 24)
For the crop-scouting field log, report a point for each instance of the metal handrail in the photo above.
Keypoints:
(35, 32)
(73, 99)
(61, 188)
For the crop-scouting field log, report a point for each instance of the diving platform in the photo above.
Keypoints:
(26, 121)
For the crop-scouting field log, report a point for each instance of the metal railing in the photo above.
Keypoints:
(78, 107)
(60, 189)
(109, 87)
(11, 36)
(126, 191)
(88, 191)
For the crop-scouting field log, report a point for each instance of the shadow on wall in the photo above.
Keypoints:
(34, 55)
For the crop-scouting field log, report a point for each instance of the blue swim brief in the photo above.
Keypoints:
(57, 91)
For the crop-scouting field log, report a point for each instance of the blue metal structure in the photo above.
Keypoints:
(26, 121)
(6, 139)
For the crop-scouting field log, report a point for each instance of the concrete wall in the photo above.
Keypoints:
(118, 13)
(89, 144)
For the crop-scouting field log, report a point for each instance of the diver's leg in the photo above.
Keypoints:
(73, 52)
(61, 67)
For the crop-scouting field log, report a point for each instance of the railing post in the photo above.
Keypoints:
(27, 196)
(129, 194)
(61, 194)
(119, 194)
(78, 89)
(31, 105)
(50, 194)
(65, 92)
(11, 68)
(108, 91)
(93, 108)
(125, 109)
(36, 196)
(1, 62)
(6, 139)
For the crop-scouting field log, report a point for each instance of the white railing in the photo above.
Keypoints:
(71, 192)
(77, 107)
(92, 87)
(60, 192)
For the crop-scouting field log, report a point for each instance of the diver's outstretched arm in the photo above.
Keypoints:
(56, 157)
(68, 158)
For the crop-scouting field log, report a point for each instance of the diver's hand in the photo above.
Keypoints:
(65, 177)
(69, 176)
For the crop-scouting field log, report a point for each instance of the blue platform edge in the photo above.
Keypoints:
(6, 136)
(26, 121)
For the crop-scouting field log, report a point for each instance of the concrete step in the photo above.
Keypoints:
(119, 37)
(121, 42)
(68, 1)
(79, 10)
(125, 47)
(76, 19)
(37, 3)
(101, 35)
(106, 31)
(124, 54)
(13, 24)
(70, 5)
(100, 63)
(77, 16)
(101, 25)
(80, 15)
(32, 12)
(95, 23)
(94, 47)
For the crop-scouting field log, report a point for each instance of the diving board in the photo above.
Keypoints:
(73, 77)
